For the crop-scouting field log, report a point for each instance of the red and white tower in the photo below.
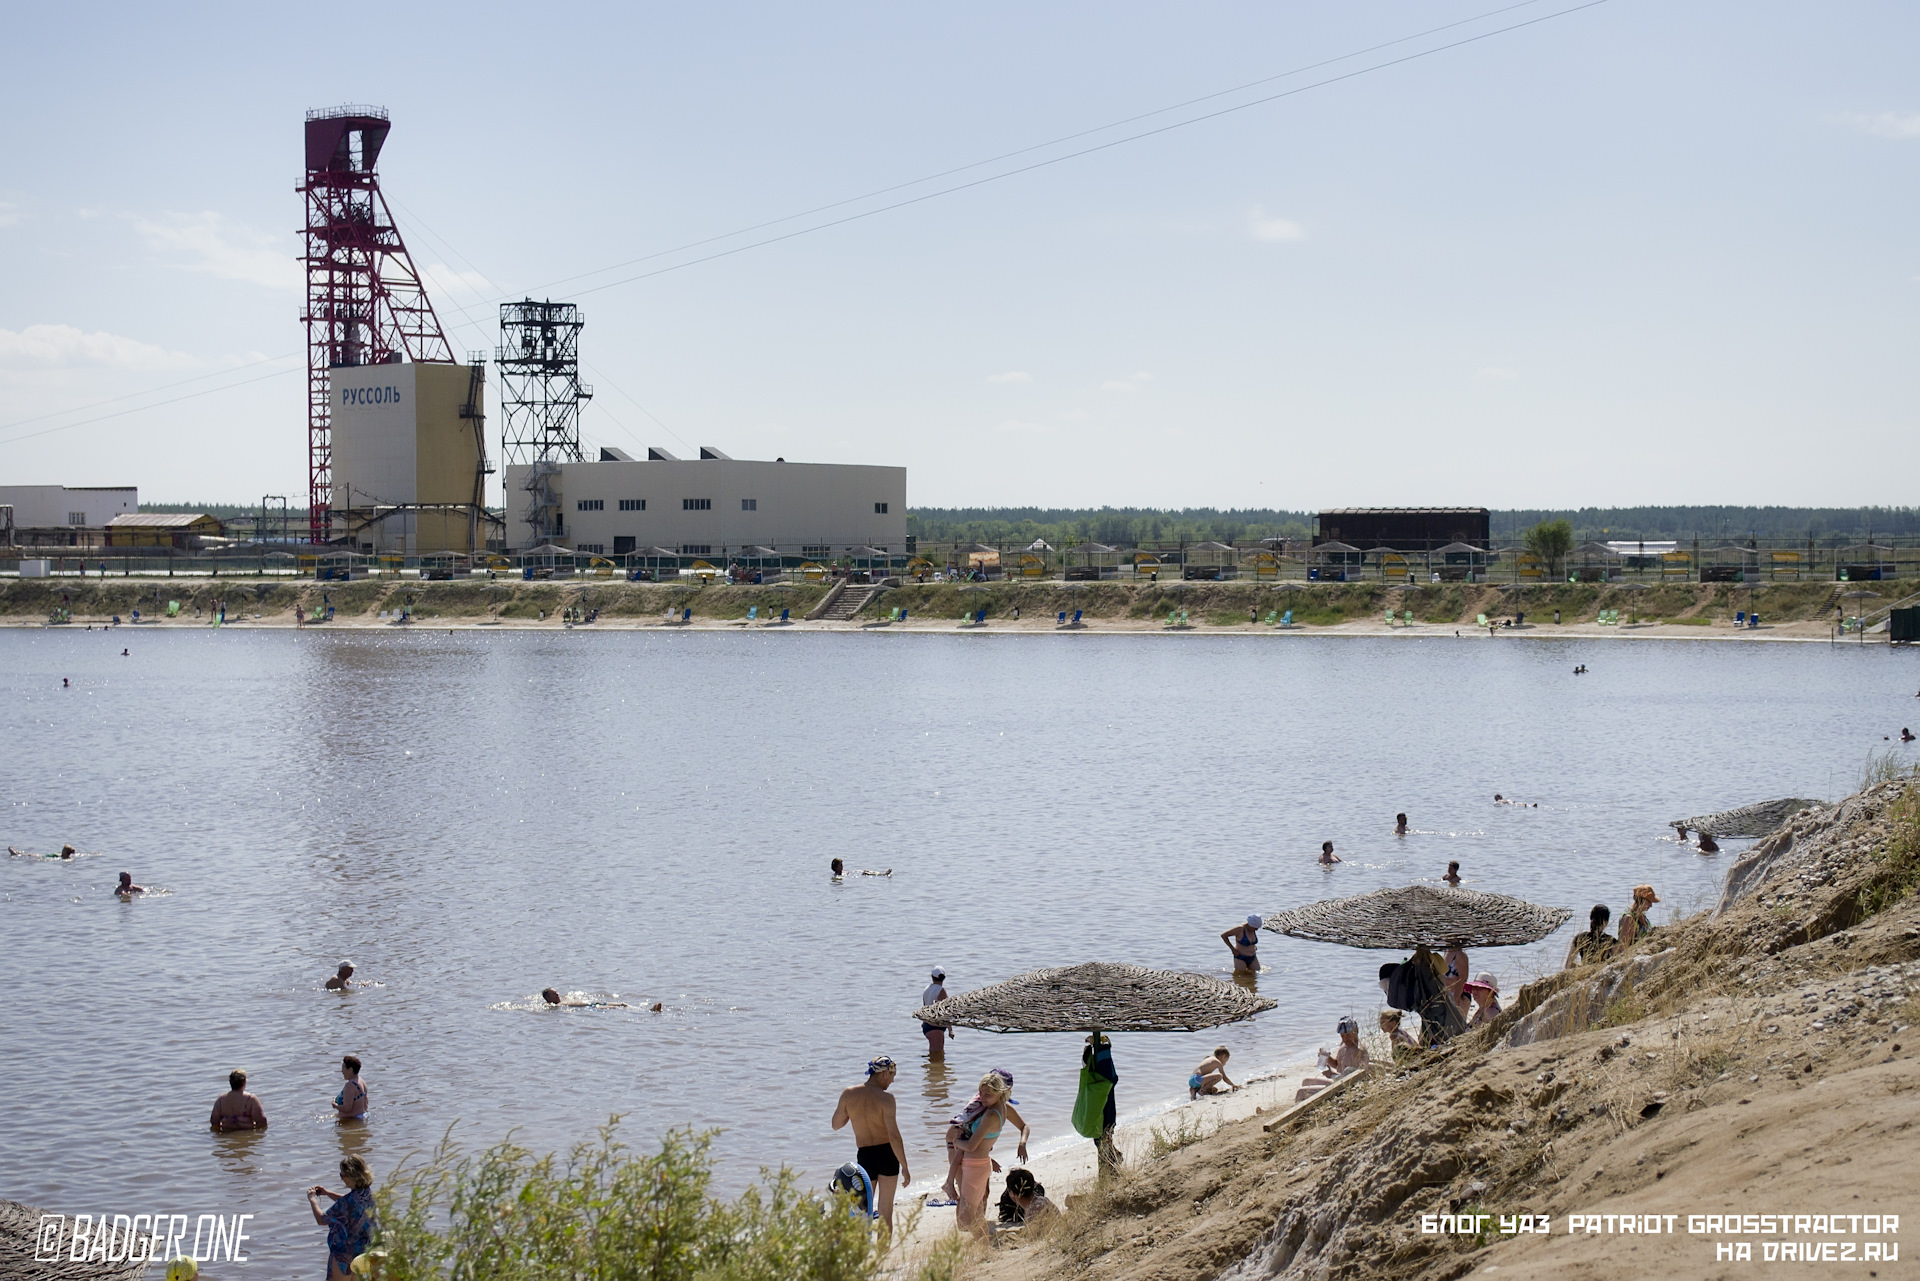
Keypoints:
(366, 304)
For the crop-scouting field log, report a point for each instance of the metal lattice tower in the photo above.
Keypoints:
(540, 398)
(366, 304)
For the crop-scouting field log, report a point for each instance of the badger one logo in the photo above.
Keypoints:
(388, 395)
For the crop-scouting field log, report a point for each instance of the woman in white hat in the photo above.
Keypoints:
(1244, 942)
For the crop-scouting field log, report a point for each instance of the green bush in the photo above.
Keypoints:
(605, 1212)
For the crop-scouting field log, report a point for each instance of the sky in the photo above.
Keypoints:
(1634, 253)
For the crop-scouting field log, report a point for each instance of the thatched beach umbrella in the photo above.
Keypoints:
(1098, 997)
(1411, 915)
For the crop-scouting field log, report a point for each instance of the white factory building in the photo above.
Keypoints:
(713, 505)
(51, 506)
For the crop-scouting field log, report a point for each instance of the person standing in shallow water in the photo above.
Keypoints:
(1453, 872)
(351, 1103)
(1244, 942)
(236, 1109)
(1399, 824)
(1327, 857)
(936, 1036)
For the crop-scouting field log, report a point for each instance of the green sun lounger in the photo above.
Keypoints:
(1482, 620)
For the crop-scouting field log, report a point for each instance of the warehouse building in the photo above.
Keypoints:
(408, 468)
(1418, 529)
(55, 506)
(712, 506)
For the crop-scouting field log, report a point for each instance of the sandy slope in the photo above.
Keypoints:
(1764, 1064)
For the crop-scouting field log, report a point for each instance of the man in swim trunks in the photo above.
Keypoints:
(342, 979)
(236, 1109)
(876, 1132)
(351, 1103)
(936, 1036)
(1399, 824)
(1244, 942)
(1327, 855)
(127, 887)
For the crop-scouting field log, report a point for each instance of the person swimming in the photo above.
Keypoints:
(552, 997)
(342, 978)
(127, 888)
(1453, 872)
(66, 852)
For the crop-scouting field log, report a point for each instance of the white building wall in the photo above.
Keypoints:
(374, 441)
(818, 509)
(44, 506)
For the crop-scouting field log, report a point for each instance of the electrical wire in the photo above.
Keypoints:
(137, 409)
(76, 409)
(1088, 151)
(1038, 146)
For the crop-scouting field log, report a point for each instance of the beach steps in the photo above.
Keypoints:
(846, 605)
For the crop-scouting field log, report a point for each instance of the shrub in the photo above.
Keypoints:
(604, 1211)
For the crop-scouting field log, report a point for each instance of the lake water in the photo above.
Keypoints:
(473, 817)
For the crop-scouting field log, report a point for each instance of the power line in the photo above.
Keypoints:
(1038, 146)
(1088, 151)
(139, 409)
(75, 409)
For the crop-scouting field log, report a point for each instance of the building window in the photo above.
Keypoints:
(591, 505)
(633, 504)
(696, 504)
(749, 504)
(816, 552)
(879, 509)
(76, 518)
(696, 549)
(593, 549)
(622, 545)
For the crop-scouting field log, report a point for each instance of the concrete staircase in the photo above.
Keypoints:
(847, 604)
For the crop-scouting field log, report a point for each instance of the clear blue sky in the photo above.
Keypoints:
(1646, 252)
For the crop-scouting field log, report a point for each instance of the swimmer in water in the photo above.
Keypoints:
(1327, 856)
(551, 997)
(1707, 844)
(1399, 824)
(66, 852)
(351, 1103)
(342, 978)
(840, 871)
(236, 1109)
(126, 887)
(1453, 872)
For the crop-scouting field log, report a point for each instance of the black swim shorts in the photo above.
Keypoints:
(878, 1160)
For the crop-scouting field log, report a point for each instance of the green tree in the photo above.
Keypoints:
(1551, 540)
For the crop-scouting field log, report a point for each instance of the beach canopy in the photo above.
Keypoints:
(1209, 547)
(977, 549)
(1098, 997)
(548, 549)
(1409, 915)
(1759, 819)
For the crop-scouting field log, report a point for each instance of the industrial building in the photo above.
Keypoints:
(1407, 529)
(711, 506)
(182, 531)
(396, 457)
(51, 507)
(407, 457)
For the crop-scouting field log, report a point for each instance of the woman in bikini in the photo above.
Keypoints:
(351, 1103)
(1244, 941)
(976, 1154)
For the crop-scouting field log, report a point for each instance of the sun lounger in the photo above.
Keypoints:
(1389, 618)
(1753, 620)
(1076, 619)
(686, 615)
(173, 609)
(1183, 619)
(1271, 615)
(753, 612)
(1483, 620)
(1286, 619)
(1740, 618)
(1408, 616)
(1062, 620)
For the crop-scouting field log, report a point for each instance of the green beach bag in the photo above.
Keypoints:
(1090, 1105)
